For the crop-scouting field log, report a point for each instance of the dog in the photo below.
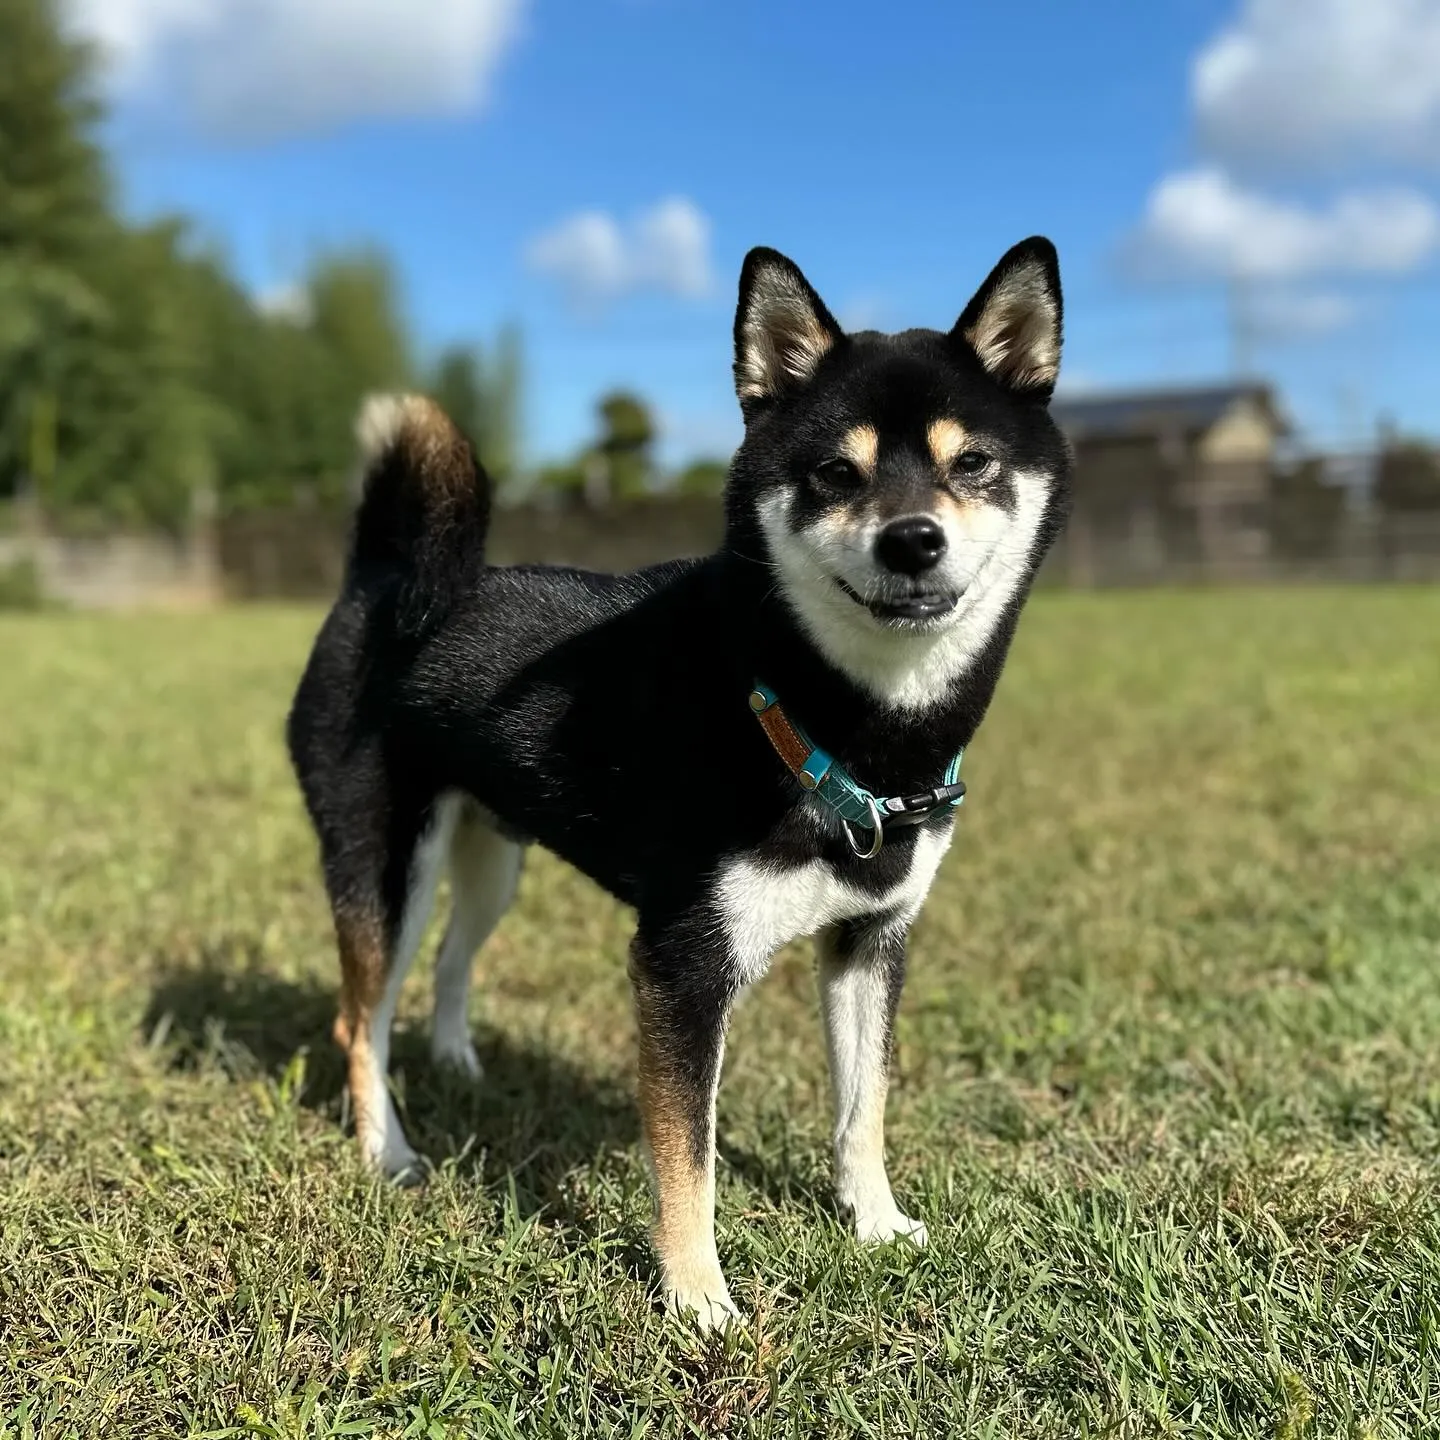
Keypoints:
(747, 748)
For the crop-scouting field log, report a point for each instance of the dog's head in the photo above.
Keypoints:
(905, 486)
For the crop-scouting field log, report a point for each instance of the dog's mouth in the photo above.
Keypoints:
(919, 605)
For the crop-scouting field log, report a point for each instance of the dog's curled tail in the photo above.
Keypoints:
(424, 509)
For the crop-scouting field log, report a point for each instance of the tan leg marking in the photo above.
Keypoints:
(362, 982)
(683, 1232)
(372, 974)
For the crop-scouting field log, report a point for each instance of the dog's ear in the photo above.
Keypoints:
(1013, 324)
(782, 328)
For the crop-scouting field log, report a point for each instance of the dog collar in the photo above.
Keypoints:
(820, 774)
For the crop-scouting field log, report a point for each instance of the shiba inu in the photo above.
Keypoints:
(747, 748)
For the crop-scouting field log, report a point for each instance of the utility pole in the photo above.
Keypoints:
(1242, 330)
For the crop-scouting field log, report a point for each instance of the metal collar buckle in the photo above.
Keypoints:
(915, 809)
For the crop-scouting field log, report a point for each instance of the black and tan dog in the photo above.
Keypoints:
(755, 746)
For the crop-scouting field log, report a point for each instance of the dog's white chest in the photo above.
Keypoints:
(763, 909)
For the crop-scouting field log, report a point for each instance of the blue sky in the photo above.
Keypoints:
(596, 169)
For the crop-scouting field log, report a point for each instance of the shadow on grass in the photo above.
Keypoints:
(532, 1119)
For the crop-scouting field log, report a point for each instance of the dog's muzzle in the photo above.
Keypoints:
(917, 604)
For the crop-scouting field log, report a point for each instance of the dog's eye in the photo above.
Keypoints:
(839, 474)
(972, 462)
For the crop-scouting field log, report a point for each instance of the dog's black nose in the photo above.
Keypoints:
(910, 546)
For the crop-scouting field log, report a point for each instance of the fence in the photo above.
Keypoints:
(1362, 547)
(1149, 519)
(1196, 527)
(303, 555)
(117, 571)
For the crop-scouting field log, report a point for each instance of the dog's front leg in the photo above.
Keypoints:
(862, 970)
(682, 1016)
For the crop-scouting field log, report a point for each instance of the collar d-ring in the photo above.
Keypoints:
(877, 829)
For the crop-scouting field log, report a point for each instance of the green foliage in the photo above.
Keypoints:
(499, 438)
(702, 477)
(53, 190)
(483, 399)
(1305, 511)
(136, 375)
(136, 429)
(1164, 1085)
(564, 478)
(457, 386)
(627, 435)
(620, 463)
(353, 300)
(1408, 478)
(20, 587)
(626, 425)
(54, 224)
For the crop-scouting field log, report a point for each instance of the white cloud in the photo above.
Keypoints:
(596, 259)
(1201, 222)
(1320, 80)
(671, 248)
(287, 301)
(586, 253)
(130, 31)
(261, 68)
(1299, 315)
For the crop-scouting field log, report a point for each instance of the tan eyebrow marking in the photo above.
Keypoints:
(861, 447)
(947, 439)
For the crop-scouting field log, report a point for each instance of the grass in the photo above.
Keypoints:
(1166, 1087)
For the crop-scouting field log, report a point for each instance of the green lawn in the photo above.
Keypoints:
(1166, 1094)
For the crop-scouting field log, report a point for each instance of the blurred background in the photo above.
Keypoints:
(222, 222)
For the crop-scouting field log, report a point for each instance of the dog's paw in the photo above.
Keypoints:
(400, 1165)
(408, 1174)
(458, 1055)
(893, 1225)
(706, 1312)
(702, 1299)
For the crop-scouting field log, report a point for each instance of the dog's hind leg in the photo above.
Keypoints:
(484, 871)
(862, 969)
(377, 948)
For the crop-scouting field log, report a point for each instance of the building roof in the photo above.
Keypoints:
(1183, 410)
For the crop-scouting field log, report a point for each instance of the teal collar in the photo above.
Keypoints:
(826, 778)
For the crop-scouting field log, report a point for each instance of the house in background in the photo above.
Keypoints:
(1173, 476)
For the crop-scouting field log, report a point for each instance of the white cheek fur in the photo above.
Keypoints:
(906, 669)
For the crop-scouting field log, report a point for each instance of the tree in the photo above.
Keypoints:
(355, 319)
(484, 400)
(702, 477)
(54, 221)
(565, 478)
(457, 385)
(355, 312)
(499, 439)
(136, 373)
(101, 399)
(141, 428)
(1408, 478)
(1306, 511)
(627, 435)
